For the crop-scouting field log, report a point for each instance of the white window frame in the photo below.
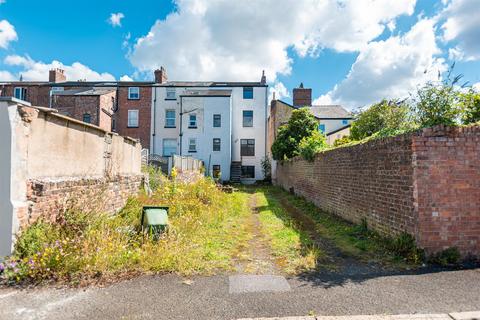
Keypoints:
(194, 125)
(21, 96)
(174, 118)
(163, 146)
(192, 147)
(219, 145)
(131, 123)
(171, 93)
(220, 119)
(133, 95)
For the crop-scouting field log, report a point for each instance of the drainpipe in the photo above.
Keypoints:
(181, 120)
(154, 118)
(266, 118)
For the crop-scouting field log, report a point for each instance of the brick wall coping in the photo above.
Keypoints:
(54, 113)
(440, 131)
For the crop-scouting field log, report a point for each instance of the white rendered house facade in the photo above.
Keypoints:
(223, 124)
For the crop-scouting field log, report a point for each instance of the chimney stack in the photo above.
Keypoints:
(56, 75)
(302, 97)
(264, 78)
(160, 75)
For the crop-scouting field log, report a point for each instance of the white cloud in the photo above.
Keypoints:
(38, 71)
(125, 78)
(476, 86)
(280, 91)
(116, 19)
(391, 68)
(7, 34)
(462, 25)
(232, 40)
(6, 76)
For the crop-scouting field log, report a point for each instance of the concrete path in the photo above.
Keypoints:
(455, 316)
(171, 297)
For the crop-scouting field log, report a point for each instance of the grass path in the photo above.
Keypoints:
(257, 257)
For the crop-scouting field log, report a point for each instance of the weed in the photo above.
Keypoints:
(205, 231)
(447, 257)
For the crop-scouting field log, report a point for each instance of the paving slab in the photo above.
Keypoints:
(257, 283)
(443, 316)
(470, 315)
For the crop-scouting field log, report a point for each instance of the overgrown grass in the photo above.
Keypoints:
(293, 248)
(357, 240)
(206, 228)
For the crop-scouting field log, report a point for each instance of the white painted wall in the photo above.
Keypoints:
(35, 144)
(204, 134)
(258, 132)
(6, 203)
(334, 124)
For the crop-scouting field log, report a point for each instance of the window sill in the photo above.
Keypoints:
(167, 127)
(133, 98)
(192, 127)
(192, 151)
(170, 99)
(132, 126)
(248, 126)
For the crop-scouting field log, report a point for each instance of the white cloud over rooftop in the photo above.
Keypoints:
(232, 40)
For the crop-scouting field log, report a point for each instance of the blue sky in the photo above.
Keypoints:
(349, 52)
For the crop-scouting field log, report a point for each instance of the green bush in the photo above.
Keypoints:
(405, 246)
(342, 141)
(205, 230)
(470, 105)
(437, 104)
(310, 146)
(447, 257)
(301, 124)
(385, 115)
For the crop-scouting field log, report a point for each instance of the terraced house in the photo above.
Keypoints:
(222, 123)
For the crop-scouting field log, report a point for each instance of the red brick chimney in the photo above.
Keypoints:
(56, 75)
(160, 75)
(302, 96)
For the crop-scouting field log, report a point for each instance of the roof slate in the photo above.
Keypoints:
(330, 112)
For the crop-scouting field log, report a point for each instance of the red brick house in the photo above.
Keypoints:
(121, 106)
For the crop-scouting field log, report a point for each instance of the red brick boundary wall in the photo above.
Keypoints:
(48, 198)
(426, 183)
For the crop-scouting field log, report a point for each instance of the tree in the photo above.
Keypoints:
(311, 145)
(386, 117)
(470, 106)
(301, 124)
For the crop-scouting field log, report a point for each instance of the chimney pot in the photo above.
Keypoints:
(264, 78)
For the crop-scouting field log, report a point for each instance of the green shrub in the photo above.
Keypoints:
(470, 105)
(385, 115)
(301, 124)
(311, 145)
(204, 233)
(266, 169)
(449, 256)
(405, 246)
(437, 104)
(342, 141)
